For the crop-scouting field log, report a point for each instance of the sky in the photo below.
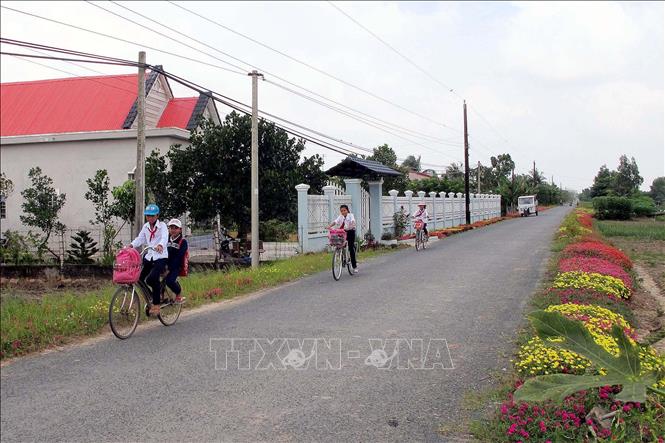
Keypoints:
(569, 85)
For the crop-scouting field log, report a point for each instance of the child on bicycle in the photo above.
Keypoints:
(347, 221)
(177, 247)
(421, 214)
(155, 235)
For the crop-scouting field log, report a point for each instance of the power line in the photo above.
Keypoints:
(398, 127)
(314, 68)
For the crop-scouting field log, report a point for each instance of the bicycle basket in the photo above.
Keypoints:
(337, 237)
(127, 266)
(419, 224)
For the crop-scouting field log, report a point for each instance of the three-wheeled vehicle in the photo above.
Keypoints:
(527, 205)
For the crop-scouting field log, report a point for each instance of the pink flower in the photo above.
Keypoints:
(504, 409)
(542, 426)
(627, 407)
(512, 429)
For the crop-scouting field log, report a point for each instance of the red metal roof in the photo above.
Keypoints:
(78, 104)
(177, 113)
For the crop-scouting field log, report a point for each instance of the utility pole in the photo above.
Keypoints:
(534, 174)
(478, 177)
(466, 169)
(255, 167)
(139, 175)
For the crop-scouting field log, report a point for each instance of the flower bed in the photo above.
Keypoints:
(442, 233)
(591, 280)
(599, 250)
(596, 265)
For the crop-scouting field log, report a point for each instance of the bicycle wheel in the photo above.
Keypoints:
(169, 311)
(337, 263)
(418, 241)
(124, 311)
(425, 240)
(347, 260)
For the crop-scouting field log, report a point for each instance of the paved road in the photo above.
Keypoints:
(163, 384)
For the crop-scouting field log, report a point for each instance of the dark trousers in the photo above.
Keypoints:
(171, 281)
(151, 272)
(351, 239)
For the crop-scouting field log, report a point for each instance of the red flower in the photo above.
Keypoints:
(599, 250)
(597, 265)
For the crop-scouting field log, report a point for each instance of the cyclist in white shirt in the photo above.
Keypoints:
(347, 221)
(155, 234)
(421, 214)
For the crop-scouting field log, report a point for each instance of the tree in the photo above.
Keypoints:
(6, 185)
(455, 171)
(98, 194)
(627, 180)
(124, 202)
(657, 190)
(42, 205)
(212, 175)
(411, 162)
(386, 155)
(83, 247)
(603, 183)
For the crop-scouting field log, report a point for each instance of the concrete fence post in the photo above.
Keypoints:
(303, 216)
(329, 191)
(376, 208)
(409, 196)
(393, 193)
(433, 215)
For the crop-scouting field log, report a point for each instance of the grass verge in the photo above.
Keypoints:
(28, 325)
(644, 230)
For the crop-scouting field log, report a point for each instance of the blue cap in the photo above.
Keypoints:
(151, 209)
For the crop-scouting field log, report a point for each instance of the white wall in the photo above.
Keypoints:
(69, 162)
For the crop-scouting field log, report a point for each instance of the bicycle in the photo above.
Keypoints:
(125, 307)
(340, 257)
(421, 238)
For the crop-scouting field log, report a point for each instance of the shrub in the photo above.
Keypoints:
(591, 280)
(612, 208)
(643, 206)
(276, 230)
(400, 220)
(600, 250)
(17, 249)
(83, 247)
(596, 265)
(387, 236)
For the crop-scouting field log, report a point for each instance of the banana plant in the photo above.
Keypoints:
(624, 369)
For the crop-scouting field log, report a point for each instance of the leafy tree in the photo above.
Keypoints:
(386, 155)
(124, 202)
(83, 247)
(657, 190)
(159, 188)
(212, 175)
(502, 168)
(42, 205)
(603, 183)
(411, 162)
(99, 194)
(627, 180)
(6, 185)
(455, 172)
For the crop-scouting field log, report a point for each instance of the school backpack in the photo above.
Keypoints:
(127, 266)
(184, 268)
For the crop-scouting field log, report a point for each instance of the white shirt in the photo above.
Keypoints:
(421, 216)
(349, 221)
(160, 236)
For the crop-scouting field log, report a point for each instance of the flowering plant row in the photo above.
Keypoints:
(599, 250)
(597, 266)
(591, 280)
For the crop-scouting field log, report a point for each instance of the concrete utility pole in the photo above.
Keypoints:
(534, 173)
(478, 177)
(139, 175)
(466, 169)
(255, 167)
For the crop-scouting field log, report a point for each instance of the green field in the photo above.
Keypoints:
(644, 230)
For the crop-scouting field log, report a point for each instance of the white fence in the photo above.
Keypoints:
(316, 212)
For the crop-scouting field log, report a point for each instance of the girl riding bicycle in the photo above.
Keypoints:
(347, 221)
(421, 215)
(154, 234)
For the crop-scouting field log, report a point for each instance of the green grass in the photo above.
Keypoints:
(28, 325)
(645, 230)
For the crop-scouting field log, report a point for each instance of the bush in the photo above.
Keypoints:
(400, 221)
(643, 206)
(17, 249)
(613, 208)
(388, 236)
(276, 230)
(83, 247)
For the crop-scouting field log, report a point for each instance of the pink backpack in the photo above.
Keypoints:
(127, 267)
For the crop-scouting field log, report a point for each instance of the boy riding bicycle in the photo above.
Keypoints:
(347, 221)
(155, 235)
(177, 248)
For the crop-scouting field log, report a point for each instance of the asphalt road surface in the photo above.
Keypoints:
(386, 355)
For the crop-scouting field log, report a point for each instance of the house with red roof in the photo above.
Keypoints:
(72, 127)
